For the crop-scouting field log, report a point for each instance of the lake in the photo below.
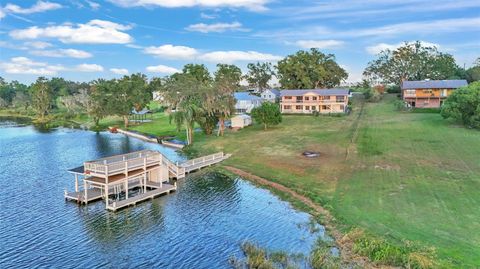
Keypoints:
(200, 226)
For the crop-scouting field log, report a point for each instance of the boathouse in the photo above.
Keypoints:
(127, 179)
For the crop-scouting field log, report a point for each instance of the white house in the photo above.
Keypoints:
(245, 102)
(241, 121)
(271, 95)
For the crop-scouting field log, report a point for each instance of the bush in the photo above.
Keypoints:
(393, 89)
(400, 105)
(463, 105)
(267, 114)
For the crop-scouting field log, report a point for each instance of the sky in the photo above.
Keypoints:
(83, 40)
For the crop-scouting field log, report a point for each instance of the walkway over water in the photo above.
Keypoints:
(127, 179)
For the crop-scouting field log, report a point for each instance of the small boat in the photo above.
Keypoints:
(174, 143)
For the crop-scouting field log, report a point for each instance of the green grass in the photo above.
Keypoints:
(417, 178)
(410, 176)
(160, 126)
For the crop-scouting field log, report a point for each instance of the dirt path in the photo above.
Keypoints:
(344, 245)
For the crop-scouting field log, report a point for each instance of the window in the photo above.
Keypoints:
(287, 107)
(298, 107)
(314, 98)
(299, 98)
(340, 99)
(287, 97)
(314, 108)
(342, 107)
(307, 107)
(269, 96)
(427, 91)
(307, 98)
(326, 98)
(324, 107)
(409, 92)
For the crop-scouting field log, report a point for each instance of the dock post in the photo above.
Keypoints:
(86, 192)
(126, 189)
(76, 182)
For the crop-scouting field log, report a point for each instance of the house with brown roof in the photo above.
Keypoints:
(308, 101)
(429, 93)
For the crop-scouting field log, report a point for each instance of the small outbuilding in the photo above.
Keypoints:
(241, 121)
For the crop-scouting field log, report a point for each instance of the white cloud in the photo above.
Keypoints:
(171, 52)
(320, 44)
(61, 53)
(38, 44)
(24, 65)
(93, 32)
(376, 49)
(215, 27)
(93, 5)
(419, 27)
(40, 6)
(235, 56)
(254, 5)
(88, 68)
(119, 71)
(162, 69)
(207, 16)
(2, 13)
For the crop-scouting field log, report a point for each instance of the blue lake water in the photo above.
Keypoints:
(200, 226)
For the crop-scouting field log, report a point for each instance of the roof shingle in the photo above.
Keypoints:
(434, 84)
(321, 92)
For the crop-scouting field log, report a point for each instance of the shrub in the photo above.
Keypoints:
(393, 89)
(267, 114)
(399, 105)
(463, 105)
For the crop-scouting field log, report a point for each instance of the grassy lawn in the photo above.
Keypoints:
(415, 177)
(408, 176)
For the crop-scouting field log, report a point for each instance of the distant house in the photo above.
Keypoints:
(245, 102)
(271, 95)
(309, 101)
(158, 96)
(241, 121)
(429, 93)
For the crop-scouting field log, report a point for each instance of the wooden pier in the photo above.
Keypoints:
(114, 178)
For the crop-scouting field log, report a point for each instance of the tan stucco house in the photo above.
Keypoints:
(308, 101)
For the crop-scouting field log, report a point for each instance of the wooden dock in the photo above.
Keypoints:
(79, 196)
(165, 189)
(145, 171)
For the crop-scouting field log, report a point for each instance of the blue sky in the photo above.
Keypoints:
(84, 40)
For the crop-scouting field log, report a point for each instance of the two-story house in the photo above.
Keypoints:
(309, 101)
(429, 93)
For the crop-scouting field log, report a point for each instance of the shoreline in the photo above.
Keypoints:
(346, 251)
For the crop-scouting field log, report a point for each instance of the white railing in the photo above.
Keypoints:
(119, 163)
(202, 160)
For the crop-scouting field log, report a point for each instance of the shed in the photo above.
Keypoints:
(241, 121)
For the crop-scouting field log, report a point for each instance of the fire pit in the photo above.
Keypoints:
(311, 154)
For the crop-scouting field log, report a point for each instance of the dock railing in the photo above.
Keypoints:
(116, 164)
